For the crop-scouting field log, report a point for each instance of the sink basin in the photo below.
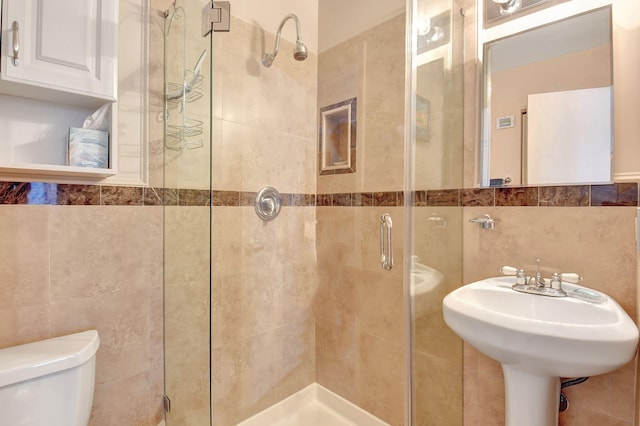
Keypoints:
(539, 339)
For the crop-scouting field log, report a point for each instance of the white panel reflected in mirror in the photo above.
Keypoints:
(564, 56)
(560, 147)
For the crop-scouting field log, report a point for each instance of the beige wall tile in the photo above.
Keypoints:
(336, 356)
(103, 271)
(24, 325)
(380, 378)
(226, 384)
(269, 361)
(253, 157)
(123, 327)
(127, 402)
(88, 257)
(490, 400)
(438, 389)
(24, 256)
(359, 311)
(470, 413)
(186, 246)
(371, 67)
(263, 327)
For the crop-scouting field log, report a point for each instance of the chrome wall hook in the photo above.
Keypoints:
(440, 222)
(485, 221)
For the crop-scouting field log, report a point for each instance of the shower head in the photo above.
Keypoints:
(300, 52)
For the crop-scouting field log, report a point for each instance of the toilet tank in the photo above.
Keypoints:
(49, 382)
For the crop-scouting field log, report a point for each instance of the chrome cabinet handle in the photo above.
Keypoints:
(386, 241)
(15, 59)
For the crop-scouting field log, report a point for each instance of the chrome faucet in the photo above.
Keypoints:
(537, 284)
(538, 281)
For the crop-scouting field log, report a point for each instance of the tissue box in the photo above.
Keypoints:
(88, 148)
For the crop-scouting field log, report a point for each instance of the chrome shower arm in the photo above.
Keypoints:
(300, 52)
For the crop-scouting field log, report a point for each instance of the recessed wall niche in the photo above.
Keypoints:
(337, 137)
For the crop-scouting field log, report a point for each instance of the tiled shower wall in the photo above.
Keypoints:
(263, 273)
(359, 307)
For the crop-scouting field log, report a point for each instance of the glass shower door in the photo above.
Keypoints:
(436, 179)
(187, 216)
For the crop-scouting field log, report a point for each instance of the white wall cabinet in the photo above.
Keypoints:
(67, 50)
(58, 64)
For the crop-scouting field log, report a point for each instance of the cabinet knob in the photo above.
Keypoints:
(15, 60)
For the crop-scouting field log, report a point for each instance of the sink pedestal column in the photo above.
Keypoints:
(530, 399)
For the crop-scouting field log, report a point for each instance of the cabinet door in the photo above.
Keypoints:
(67, 46)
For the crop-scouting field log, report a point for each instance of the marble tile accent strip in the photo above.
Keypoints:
(512, 197)
(298, 200)
(247, 199)
(324, 200)
(160, 196)
(121, 196)
(564, 196)
(362, 199)
(480, 197)
(153, 196)
(39, 193)
(384, 199)
(443, 197)
(194, 197)
(341, 200)
(225, 198)
(77, 195)
(419, 198)
(621, 194)
(14, 192)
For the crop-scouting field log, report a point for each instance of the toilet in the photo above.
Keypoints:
(49, 382)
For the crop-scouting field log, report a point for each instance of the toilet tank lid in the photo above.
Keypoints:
(24, 362)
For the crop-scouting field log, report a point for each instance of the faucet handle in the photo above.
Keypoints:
(509, 270)
(570, 277)
(521, 278)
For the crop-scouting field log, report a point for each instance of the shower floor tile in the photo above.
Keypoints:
(314, 414)
(313, 406)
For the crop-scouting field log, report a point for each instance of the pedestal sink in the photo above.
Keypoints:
(539, 339)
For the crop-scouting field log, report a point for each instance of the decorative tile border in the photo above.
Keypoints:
(617, 195)
(36, 193)
(361, 199)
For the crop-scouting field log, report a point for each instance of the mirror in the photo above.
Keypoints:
(547, 112)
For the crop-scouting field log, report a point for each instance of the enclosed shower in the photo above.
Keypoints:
(353, 126)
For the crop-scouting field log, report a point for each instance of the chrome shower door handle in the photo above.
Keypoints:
(15, 59)
(386, 241)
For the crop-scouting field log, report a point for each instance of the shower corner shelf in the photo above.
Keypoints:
(188, 91)
(182, 131)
